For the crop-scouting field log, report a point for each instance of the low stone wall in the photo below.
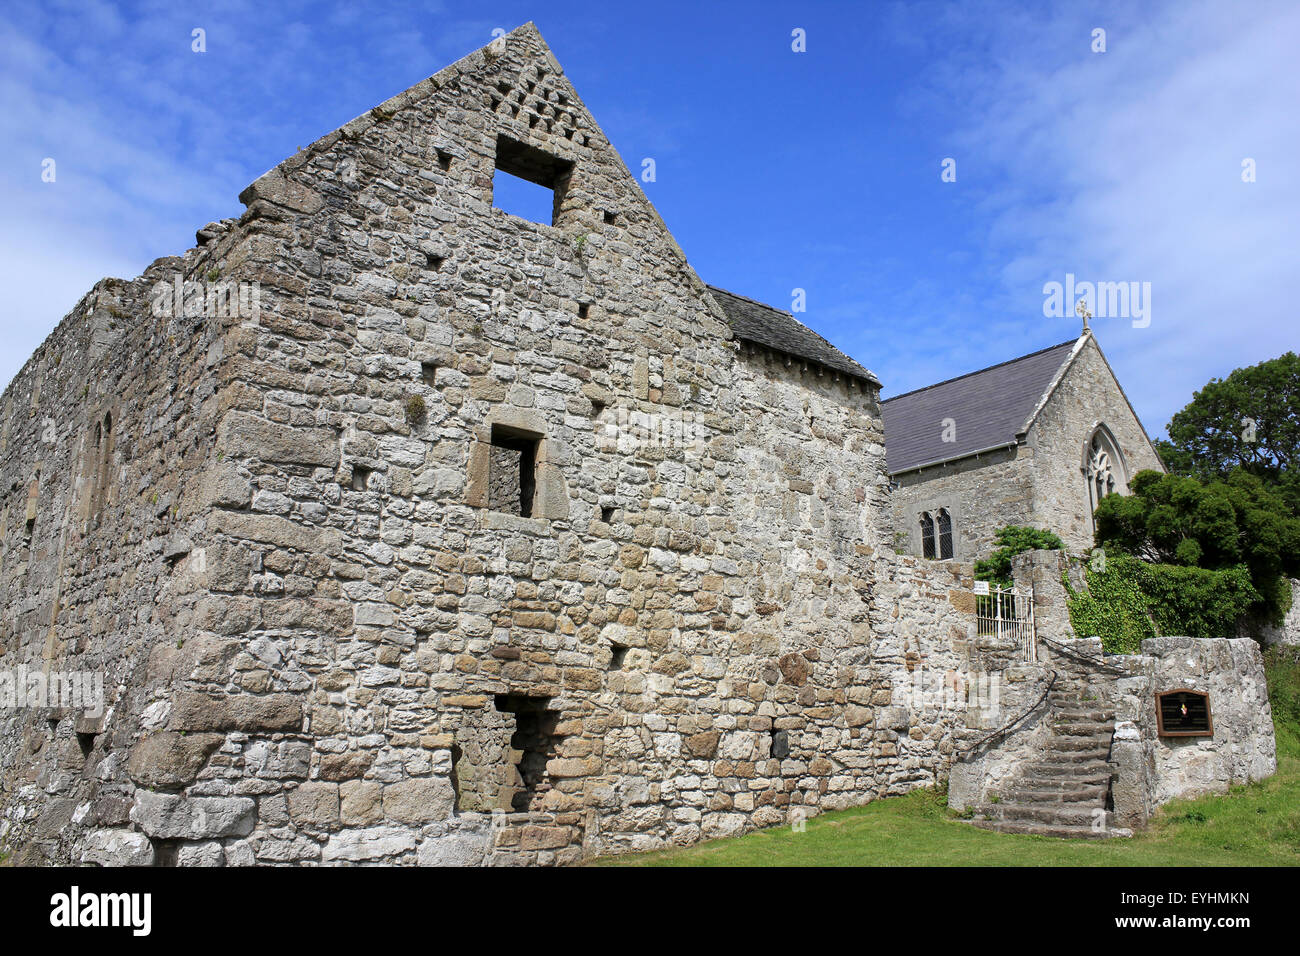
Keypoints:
(1148, 770)
(1243, 748)
(1289, 630)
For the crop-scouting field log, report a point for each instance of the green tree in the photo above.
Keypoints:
(1219, 524)
(1249, 421)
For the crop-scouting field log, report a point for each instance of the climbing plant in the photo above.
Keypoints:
(1129, 600)
(1113, 607)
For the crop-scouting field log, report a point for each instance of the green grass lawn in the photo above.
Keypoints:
(1255, 825)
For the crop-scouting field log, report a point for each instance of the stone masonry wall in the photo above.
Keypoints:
(982, 494)
(1088, 395)
(350, 655)
(105, 458)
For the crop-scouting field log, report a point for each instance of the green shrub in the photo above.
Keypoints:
(1197, 602)
(1013, 539)
(1282, 667)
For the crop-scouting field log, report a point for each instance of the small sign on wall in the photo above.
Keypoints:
(1184, 713)
(981, 587)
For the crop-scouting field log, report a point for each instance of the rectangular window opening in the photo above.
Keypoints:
(528, 182)
(607, 514)
(360, 477)
(617, 657)
(429, 372)
(512, 471)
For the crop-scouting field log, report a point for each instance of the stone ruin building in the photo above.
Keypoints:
(400, 529)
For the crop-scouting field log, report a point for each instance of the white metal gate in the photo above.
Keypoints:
(1006, 614)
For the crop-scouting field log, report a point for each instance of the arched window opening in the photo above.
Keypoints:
(1103, 467)
(927, 535)
(945, 534)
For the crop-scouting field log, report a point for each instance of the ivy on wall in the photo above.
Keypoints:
(1129, 600)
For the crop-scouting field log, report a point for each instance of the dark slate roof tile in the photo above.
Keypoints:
(989, 407)
(755, 322)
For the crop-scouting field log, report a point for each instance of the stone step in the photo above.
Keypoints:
(1031, 828)
(1081, 773)
(1066, 744)
(1064, 791)
(1071, 757)
(1054, 814)
(1082, 728)
(1089, 715)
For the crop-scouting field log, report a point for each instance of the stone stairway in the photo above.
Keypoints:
(1062, 792)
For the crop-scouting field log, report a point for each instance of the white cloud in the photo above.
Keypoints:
(1125, 165)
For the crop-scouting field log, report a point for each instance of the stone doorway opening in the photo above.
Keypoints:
(533, 743)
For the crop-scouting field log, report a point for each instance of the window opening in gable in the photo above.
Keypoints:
(528, 182)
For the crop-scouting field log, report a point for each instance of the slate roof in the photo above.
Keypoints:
(990, 407)
(762, 324)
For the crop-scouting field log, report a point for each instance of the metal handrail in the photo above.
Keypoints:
(1051, 682)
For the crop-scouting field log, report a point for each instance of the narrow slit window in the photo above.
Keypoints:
(512, 471)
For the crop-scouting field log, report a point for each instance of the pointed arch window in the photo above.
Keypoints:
(1103, 466)
(944, 522)
(927, 535)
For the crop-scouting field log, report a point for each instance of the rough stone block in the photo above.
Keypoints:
(170, 817)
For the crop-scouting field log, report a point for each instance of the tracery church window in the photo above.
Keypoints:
(1103, 467)
(927, 535)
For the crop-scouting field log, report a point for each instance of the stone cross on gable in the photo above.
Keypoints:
(1082, 310)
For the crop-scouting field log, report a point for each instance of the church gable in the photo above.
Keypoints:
(1087, 443)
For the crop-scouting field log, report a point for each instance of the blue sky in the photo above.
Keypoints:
(776, 170)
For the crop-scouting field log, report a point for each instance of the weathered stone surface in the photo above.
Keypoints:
(241, 435)
(171, 817)
(275, 187)
(376, 843)
(464, 848)
(117, 848)
(192, 710)
(169, 761)
(345, 766)
(314, 804)
(418, 801)
(206, 853)
(361, 802)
